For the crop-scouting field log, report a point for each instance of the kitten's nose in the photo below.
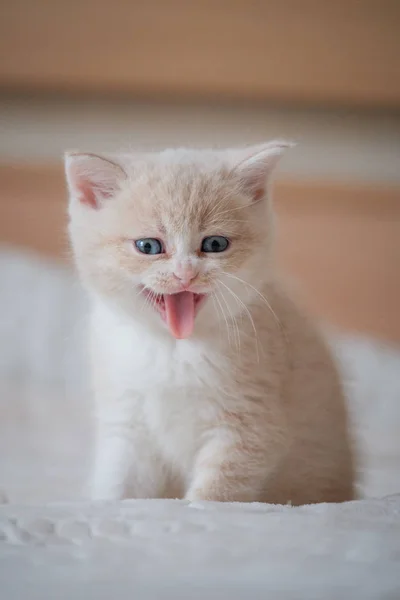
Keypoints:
(185, 275)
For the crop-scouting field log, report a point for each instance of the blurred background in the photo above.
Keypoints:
(128, 74)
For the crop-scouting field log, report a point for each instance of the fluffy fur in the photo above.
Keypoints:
(249, 407)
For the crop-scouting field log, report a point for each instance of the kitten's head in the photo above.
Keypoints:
(184, 235)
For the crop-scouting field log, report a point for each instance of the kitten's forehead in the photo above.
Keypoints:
(180, 196)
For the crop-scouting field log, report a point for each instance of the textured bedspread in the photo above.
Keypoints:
(169, 549)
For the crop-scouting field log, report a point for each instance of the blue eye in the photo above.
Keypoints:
(214, 243)
(149, 246)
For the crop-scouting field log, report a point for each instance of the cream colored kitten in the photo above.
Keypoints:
(209, 383)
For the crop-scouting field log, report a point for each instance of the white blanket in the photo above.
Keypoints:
(55, 545)
(169, 549)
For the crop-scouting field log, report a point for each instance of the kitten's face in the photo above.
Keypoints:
(177, 238)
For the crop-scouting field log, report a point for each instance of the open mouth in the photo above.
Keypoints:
(177, 310)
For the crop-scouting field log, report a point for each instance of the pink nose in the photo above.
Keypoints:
(185, 276)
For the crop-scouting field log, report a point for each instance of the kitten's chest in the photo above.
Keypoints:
(181, 390)
(176, 387)
(179, 419)
(180, 393)
(177, 367)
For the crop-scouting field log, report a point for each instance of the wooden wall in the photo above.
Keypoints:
(318, 51)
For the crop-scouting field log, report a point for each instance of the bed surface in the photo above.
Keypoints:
(169, 549)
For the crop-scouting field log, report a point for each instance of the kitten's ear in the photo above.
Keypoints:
(92, 179)
(254, 171)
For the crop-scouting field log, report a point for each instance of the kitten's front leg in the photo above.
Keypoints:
(234, 466)
(112, 463)
(124, 460)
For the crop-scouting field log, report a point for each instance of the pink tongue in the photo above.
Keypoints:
(179, 309)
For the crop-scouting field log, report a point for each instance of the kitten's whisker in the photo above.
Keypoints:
(216, 206)
(144, 301)
(224, 316)
(230, 210)
(216, 310)
(141, 291)
(258, 293)
(234, 323)
(232, 227)
(154, 297)
(149, 299)
(248, 314)
(145, 297)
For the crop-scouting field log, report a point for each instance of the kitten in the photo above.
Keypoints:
(209, 383)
